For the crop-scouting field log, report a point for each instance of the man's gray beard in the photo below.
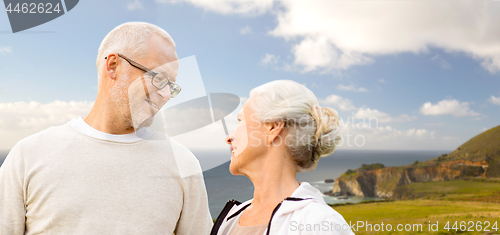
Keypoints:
(135, 117)
(140, 119)
(120, 101)
(130, 112)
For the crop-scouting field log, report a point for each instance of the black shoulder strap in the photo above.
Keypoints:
(278, 206)
(222, 215)
(296, 199)
(239, 211)
(274, 212)
(229, 205)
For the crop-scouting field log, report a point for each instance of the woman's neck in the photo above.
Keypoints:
(275, 181)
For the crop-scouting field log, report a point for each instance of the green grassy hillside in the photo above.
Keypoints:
(470, 205)
(482, 147)
(473, 202)
(455, 190)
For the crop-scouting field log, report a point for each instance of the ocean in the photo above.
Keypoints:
(222, 186)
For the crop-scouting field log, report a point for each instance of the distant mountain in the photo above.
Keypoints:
(478, 157)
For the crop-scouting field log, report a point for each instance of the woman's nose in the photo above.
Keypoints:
(229, 139)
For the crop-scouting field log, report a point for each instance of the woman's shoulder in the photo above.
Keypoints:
(318, 209)
(236, 209)
(312, 205)
(228, 216)
(320, 214)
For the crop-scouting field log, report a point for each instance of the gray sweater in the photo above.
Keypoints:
(60, 181)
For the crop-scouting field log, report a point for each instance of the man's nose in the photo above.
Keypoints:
(164, 93)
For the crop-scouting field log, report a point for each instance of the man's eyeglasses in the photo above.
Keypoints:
(158, 80)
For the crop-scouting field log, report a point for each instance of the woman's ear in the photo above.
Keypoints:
(274, 131)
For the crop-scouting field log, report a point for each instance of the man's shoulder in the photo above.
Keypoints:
(180, 149)
(42, 144)
(160, 139)
(186, 161)
(55, 134)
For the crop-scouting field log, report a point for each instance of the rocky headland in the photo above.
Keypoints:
(478, 157)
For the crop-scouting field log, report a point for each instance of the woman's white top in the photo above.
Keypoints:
(304, 212)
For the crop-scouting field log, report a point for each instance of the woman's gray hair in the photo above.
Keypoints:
(312, 131)
(130, 39)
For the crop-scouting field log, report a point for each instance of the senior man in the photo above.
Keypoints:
(98, 175)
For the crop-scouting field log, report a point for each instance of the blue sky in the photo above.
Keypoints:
(432, 80)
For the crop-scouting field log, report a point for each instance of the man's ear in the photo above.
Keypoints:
(111, 64)
(274, 131)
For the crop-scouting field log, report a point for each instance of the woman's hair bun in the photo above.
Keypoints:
(327, 134)
(312, 131)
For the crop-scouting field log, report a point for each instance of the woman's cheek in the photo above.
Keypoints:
(242, 141)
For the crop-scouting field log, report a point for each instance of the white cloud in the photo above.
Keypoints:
(356, 136)
(449, 106)
(371, 28)
(451, 138)
(491, 63)
(364, 113)
(441, 62)
(380, 117)
(269, 59)
(229, 7)
(335, 35)
(135, 5)
(20, 119)
(319, 54)
(479, 118)
(494, 100)
(5, 50)
(351, 87)
(245, 30)
(421, 132)
(338, 102)
(381, 81)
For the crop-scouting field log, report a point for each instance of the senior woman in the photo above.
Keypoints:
(281, 131)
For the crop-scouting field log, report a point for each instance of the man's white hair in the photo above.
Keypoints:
(129, 39)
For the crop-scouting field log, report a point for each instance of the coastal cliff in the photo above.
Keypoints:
(382, 182)
(478, 157)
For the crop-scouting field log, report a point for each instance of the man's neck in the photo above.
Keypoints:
(106, 118)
